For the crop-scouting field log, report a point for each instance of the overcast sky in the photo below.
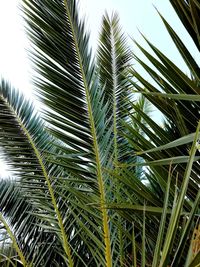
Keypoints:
(134, 15)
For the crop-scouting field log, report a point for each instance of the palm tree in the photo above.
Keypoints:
(78, 195)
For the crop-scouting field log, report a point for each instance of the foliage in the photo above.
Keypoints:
(79, 194)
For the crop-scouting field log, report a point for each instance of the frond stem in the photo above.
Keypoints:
(66, 245)
(114, 73)
(14, 241)
(96, 149)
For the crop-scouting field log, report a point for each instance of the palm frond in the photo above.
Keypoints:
(95, 179)
(68, 87)
(23, 140)
(113, 59)
(188, 12)
(10, 223)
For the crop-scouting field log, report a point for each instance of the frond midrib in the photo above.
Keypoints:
(95, 144)
(66, 245)
(115, 82)
(14, 241)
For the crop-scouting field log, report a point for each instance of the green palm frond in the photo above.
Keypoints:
(172, 231)
(113, 59)
(95, 180)
(23, 140)
(175, 95)
(69, 88)
(188, 12)
(11, 224)
(18, 135)
(172, 99)
(186, 55)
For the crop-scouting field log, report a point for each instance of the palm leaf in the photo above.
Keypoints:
(113, 57)
(188, 12)
(176, 215)
(68, 87)
(8, 224)
(171, 99)
(23, 140)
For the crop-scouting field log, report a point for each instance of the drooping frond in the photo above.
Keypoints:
(23, 140)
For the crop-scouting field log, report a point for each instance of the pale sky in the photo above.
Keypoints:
(134, 15)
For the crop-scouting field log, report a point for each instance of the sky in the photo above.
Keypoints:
(134, 15)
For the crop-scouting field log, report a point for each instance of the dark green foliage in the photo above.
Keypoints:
(95, 180)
